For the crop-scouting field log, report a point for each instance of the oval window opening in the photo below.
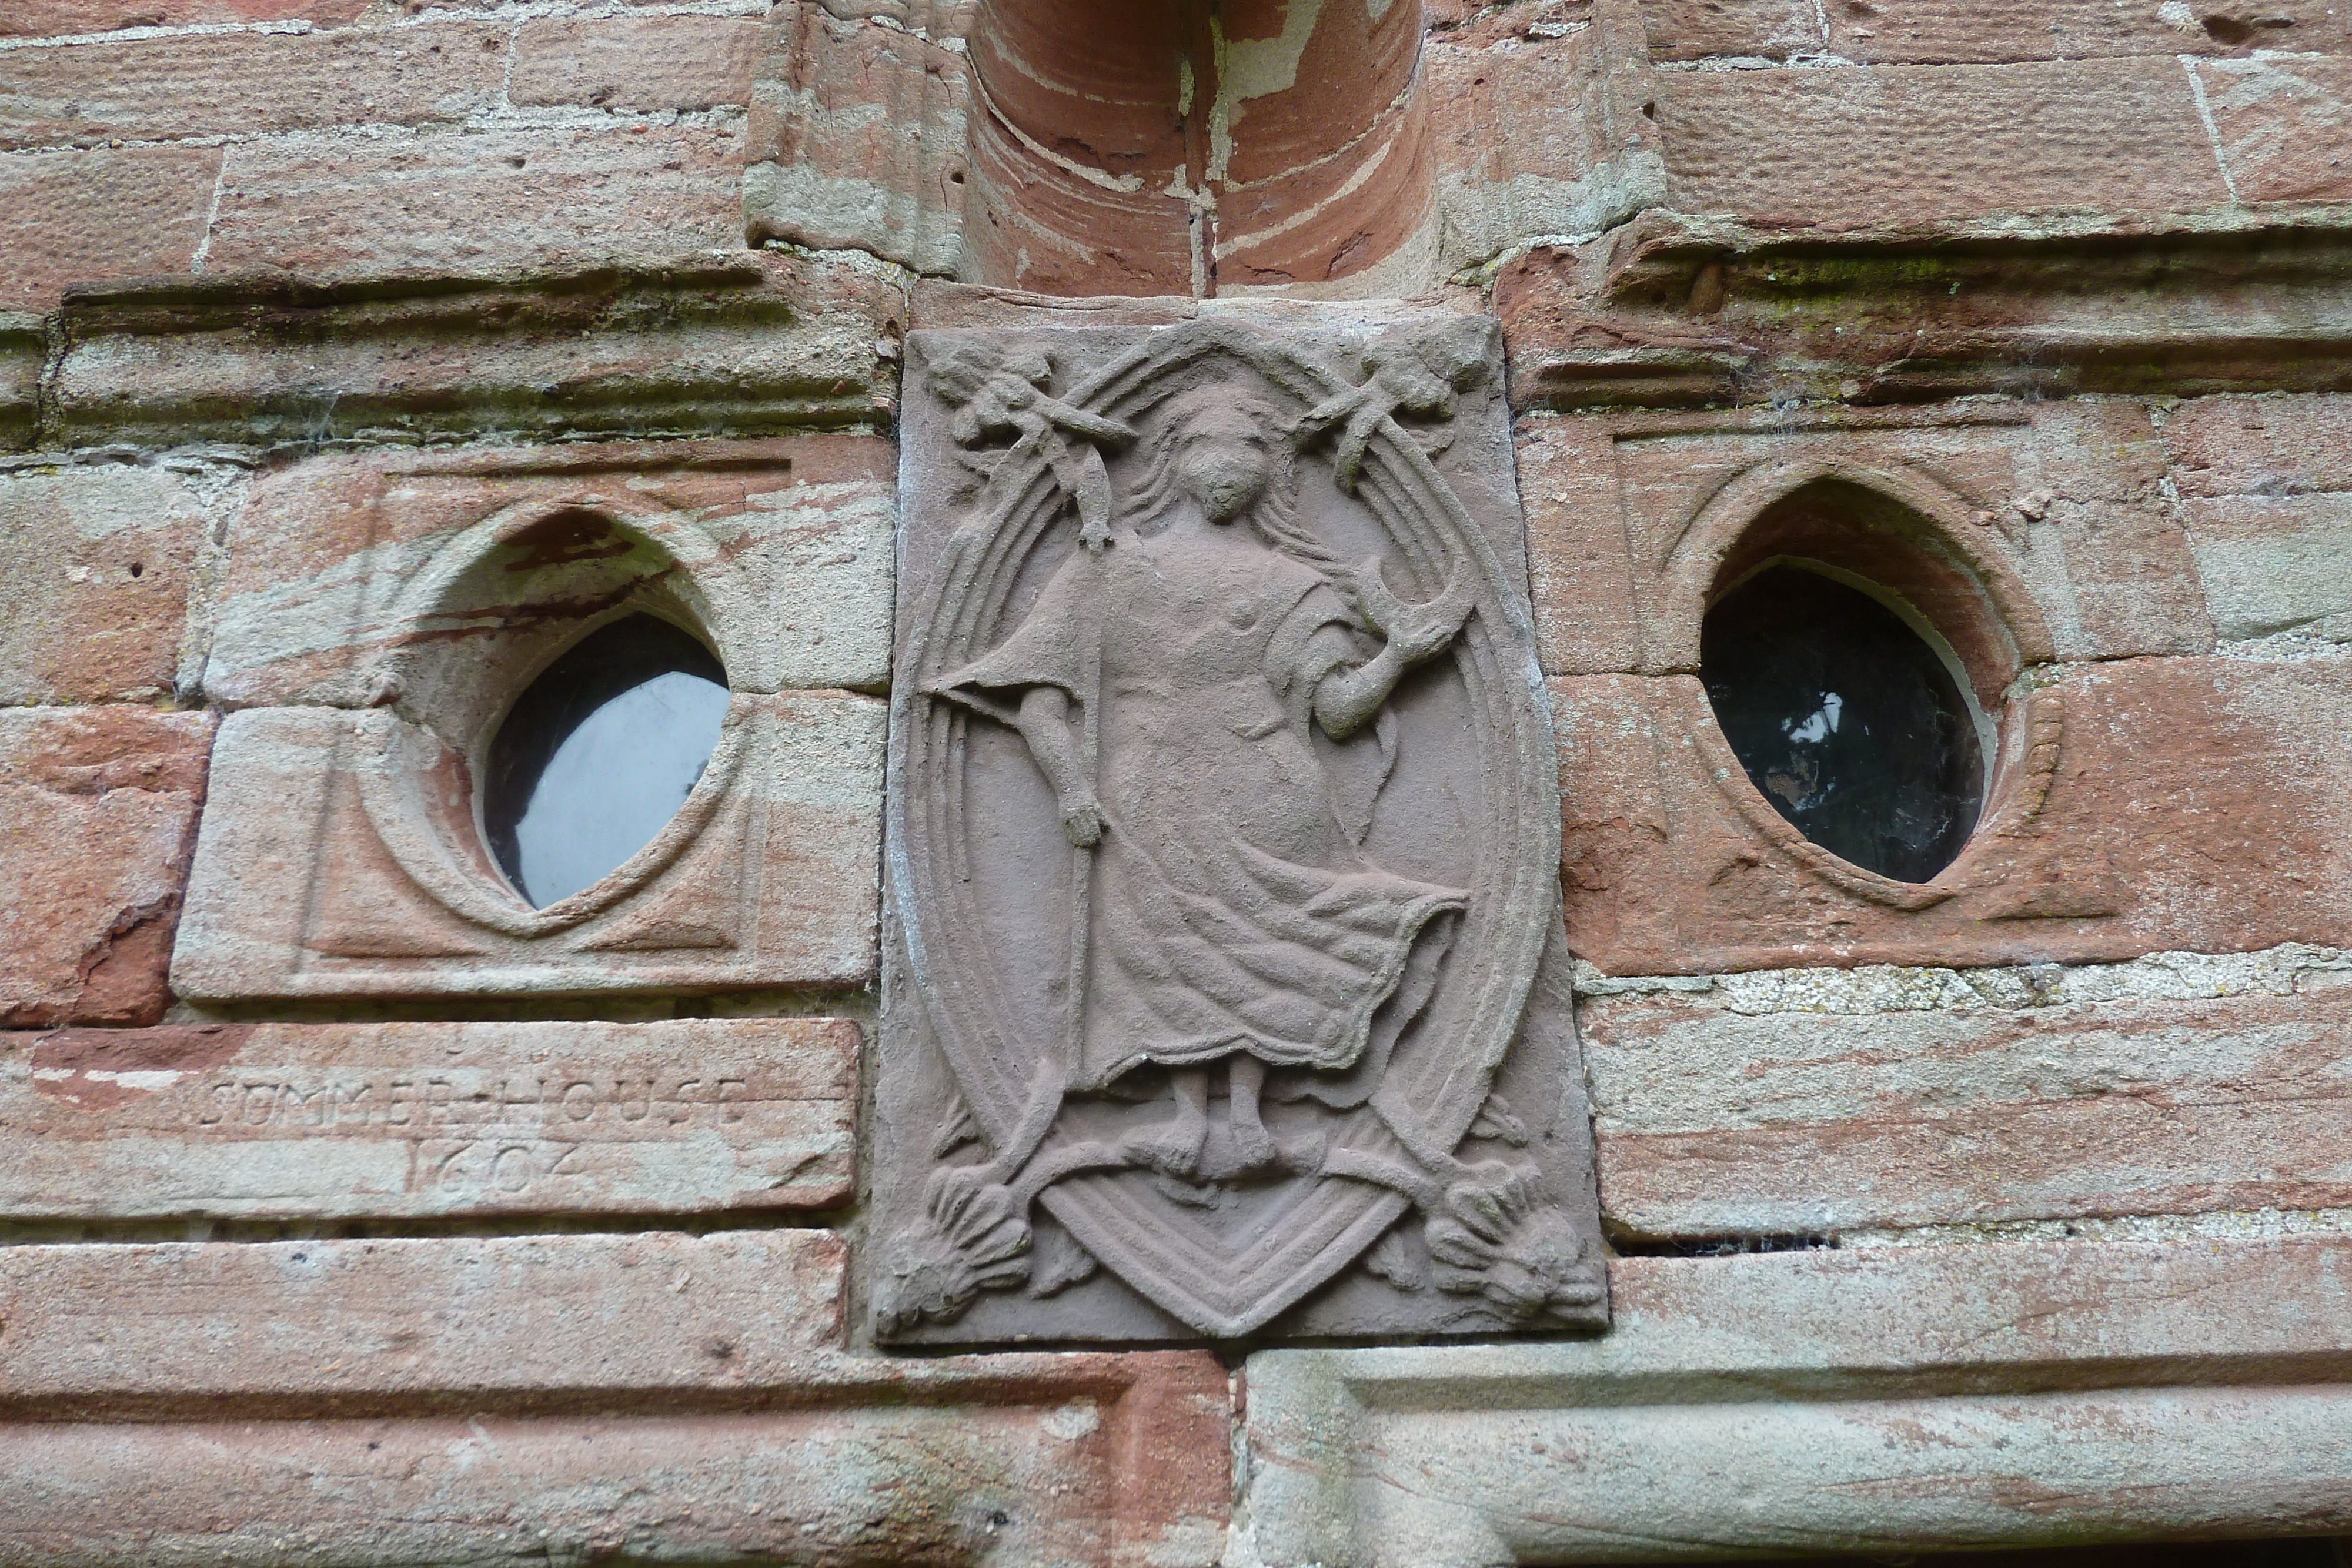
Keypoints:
(1846, 719)
(597, 756)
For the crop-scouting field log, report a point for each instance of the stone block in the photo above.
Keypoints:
(500, 1399)
(766, 877)
(24, 355)
(463, 200)
(1848, 147)
(2259, 445)
(61, 18)
(97, 564)
(1925, 33)
(747, 343)
(2275, 563)
(787, 543)
(1985, 1374)
(106, 214)
(2159, 804)
(2064, 502)
(100, 805)
(1724, 1115)
(203, 84)
(638, 63)
(857, 135)
(2282, 122)
(404, 1120)
(1526, 142)
(1752, 30)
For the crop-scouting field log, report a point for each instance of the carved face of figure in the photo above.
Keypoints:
(1226, 460)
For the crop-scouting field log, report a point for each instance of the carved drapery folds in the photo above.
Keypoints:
(1227, 993)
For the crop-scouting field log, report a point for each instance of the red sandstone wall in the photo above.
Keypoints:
(2076, 268)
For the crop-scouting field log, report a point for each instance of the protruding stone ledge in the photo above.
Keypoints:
(660, 1397)
(403, 1120)
(723, 343)
(1674, 310)
(2003, 1395)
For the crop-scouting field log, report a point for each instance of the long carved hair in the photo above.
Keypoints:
(1273, 515)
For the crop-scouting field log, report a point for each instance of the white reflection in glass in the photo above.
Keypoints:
(614, 782)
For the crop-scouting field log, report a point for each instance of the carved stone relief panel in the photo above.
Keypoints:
(1225, 990)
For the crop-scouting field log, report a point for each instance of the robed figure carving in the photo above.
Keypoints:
(1183, 683)
(1234, 917)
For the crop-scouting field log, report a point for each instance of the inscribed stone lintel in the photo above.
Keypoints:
(1226, 991)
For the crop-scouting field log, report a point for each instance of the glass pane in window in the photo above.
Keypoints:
(1845, 719)
(596, 757)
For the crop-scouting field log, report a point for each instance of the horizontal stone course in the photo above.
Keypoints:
(277, 1121)
(454, 199)
(98, 808)
(1884, 1401)
(66, 18)
(481, 1400)
(2259, 445)
(622, 344)
(1897, 143)
(636, 63)
(246, 83)
(1716, 1121)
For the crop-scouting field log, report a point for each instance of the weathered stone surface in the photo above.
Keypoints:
(749, 1433)
(1533, 139)
(1895, 143)
(23, 353)
(1683, 312)
(2066, 500)
(57, 19)
(78, 217)
(858, 134)
(269, 1121)
(647, 344)
(96, 567)
(98, 806)
(2272, 564)
(1135, 855)
(1745, 30)
(2283, 122)
(1716, 1120)
(203, 84)
(2259, 445)
(636, 62)
(1793, 1381)
(2191, 804)
(766, 877)
(1927, 33)
(465, 201)
(787, 544)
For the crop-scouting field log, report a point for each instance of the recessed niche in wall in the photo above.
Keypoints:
(597, 754)
(1847, 716)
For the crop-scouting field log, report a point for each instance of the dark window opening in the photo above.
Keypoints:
(597, 756)
(1845, 719)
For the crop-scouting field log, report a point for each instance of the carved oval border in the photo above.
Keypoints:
(2021, 777)
(392, 792)
(1514, 895)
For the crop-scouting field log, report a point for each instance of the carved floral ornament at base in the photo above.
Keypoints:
(1225, 843)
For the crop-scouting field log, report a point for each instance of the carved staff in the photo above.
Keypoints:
(1082, 856)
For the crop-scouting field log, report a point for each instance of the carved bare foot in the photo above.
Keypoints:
(1173, 1146)
(1253, 1149)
